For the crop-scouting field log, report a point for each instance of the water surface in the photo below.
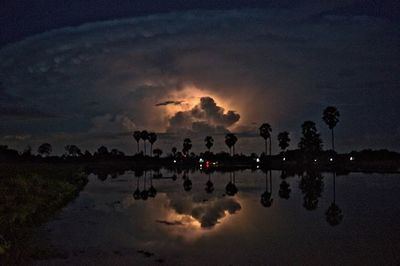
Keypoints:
(266, 222)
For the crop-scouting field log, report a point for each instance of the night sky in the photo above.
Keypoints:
(91, 72)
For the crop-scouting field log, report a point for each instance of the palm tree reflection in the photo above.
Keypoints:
(334, 214)
(187, 183)
(152, 189)
(209, 185)
(266, 196)
(136, 193)
(284, 187)
(311, 185)
(230, 188)
(144, 194)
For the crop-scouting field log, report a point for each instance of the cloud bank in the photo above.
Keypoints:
(98, 82)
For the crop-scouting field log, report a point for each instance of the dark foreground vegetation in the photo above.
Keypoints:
(29, 195)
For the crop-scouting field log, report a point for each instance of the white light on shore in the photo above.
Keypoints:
(258, 160)
(284, 159)
(174, 161)
(331, 159)
(351, 158)
(201, 160)
(315, 160)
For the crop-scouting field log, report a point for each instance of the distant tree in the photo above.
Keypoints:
(265, 133)
(209, 142)
(87, 154)
(144, 135)
(116, 152)
(331, 118)
(310, 143)
(27, 151)
(284, 140)
(174, 150)
(230, 141)
(45, 149)
(137, 136)
(72, 150)
(102, 151)
(187, 145)
(158, 152)
(152, 140)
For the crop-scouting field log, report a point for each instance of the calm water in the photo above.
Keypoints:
(106, 225)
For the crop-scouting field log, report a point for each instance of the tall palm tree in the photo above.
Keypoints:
(284, 140)
(137, 136)
(209, 142)
(265, 133)
(144, 135)
(152, 140)
(230, 141)
(331, 118)
(187, 145)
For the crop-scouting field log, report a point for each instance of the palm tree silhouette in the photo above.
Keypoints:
(209, 142)
(230, 141)
(144, 135)
(334, 215)
(137, 136)
(284, 140)
(265, 132)
(152, 139)
(187, 145)
(266, 196)
(331, 118)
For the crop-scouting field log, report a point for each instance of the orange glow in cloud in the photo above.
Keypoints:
(190, 97)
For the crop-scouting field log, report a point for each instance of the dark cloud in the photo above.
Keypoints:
(169, 103)
(280, 66)
(173, 223)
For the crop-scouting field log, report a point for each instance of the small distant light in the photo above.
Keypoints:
(351, 158)
(214, 163)
(284, 159)
(258, 160)
(258, 166)
(315, 160)
(174, 161)
(201, 160)
(331, 159)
